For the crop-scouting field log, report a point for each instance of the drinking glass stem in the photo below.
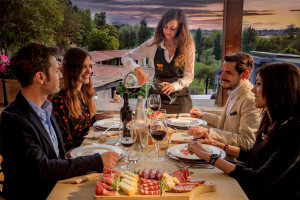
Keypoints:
(127, 156)
(157, 147)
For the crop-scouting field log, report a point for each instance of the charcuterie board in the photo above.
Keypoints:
(192, 195)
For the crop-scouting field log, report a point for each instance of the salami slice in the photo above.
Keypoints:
(146, 173)
(153, 173)
(179, 176)
(153, 192)
(181, 189)
(149, 184)
(159, 174)
(187, 183)
(144, 180)
(150, 188)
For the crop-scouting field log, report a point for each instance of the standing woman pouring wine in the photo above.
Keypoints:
(172, 53)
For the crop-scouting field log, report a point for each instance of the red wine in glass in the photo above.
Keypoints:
(135, 89)
(154, 107)
(158, 135)
(127, 142)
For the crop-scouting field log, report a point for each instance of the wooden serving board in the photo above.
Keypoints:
(192, 195)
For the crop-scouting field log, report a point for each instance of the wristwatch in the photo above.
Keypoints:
(213, 158)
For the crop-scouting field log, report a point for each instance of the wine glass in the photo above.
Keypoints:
(154, 103)
(158, 131)
(131, 83)
(156, 85)
(127, 138)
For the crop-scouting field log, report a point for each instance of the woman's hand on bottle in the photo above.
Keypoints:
(168, 88)
(141, 76)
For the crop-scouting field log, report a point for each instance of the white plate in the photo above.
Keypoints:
(186, 122)
(175, 150)
(96, 148)
(105, 123)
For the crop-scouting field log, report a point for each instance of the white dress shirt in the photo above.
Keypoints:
(145, 50)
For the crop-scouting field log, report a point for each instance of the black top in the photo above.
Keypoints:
(273, 170)
(30, 165)
(72, 129)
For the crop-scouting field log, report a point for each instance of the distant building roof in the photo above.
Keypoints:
(99, 56)
(116, 71)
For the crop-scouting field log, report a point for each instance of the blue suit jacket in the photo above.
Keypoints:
(30, 165)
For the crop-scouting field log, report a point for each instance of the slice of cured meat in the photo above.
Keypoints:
(149, 184)
(108, 179)
(102, 191)
(110, 171)
(192, 180)
(185, 152)
(185, 172)
(159, 174)
(153, 192)
(146, 173)
(150, 188)
(104, 185)
(180, 189)
(179, 176)
(153, 173)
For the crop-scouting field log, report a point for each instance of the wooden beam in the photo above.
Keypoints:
(232, 32)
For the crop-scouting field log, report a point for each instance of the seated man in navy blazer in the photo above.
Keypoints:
(30, 140)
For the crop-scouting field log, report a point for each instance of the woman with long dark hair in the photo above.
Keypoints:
(73, 106)
(273, 163)
(172, 53)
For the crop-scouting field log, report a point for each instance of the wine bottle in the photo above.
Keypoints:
(126, 115)
(140, 123)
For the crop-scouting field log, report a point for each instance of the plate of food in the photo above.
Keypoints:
(181, 151)
(96, 148)
(186, 122)
(106, 123)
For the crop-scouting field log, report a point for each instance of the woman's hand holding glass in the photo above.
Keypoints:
(168, 88)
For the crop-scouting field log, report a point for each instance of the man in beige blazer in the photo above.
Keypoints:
(240, 119)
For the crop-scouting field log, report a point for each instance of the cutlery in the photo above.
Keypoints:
(198, 165)
(177, 115)
(108, 128)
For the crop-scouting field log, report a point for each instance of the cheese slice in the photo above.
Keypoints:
(132, 175)
(127, 189)
(129, 177)
(130, 183)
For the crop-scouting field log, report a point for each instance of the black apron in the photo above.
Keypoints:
(168, 72)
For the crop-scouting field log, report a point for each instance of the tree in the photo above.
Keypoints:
(86, 24)
(100, 18)
(199, 43)
(100, 39)
(248, 39)
(144, 32)
(218, 46)
(31, 20)
(128, 37)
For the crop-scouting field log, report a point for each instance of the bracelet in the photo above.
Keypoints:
(226, 147)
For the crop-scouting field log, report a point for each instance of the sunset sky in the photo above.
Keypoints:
(206, 14)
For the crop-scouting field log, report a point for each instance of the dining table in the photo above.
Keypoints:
(226, 187)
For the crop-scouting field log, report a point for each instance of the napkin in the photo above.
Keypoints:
(80, 179)
(95, 135)
(181, 137)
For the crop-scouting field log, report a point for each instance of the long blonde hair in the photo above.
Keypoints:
(184, 39)
(73, 64)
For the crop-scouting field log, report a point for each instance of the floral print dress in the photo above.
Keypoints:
(72, 129)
